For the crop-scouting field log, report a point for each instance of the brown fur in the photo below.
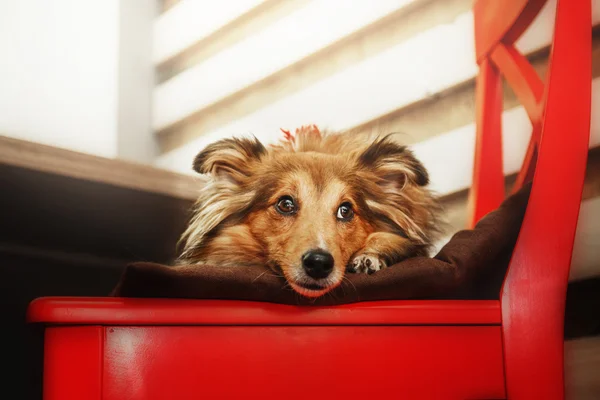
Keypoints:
(235, 222)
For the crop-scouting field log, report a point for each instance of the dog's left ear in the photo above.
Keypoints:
(229, 158)
(393, 163)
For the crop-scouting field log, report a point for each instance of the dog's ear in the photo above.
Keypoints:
(393, 163)
(229, 158)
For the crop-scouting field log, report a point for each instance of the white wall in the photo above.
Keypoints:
(136, 141)
(63, 81)
(58, 73)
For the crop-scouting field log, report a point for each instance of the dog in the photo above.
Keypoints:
(313, 207)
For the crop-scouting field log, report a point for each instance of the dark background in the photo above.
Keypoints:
(62, 236)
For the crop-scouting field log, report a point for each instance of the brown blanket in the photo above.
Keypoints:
(471, 265)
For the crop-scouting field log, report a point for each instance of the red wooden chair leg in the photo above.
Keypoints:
(488, 179)
(533, 295)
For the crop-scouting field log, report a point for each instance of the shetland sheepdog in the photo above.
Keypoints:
(312, 208)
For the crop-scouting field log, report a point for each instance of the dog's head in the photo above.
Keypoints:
(311, 203)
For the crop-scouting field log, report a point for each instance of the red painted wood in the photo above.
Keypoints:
(501, 21)
(527, 170)
(523, 79)
(534, 291)
(270, 362)
(533, 295)
(116, 311)
(73, 363)
(497, 26)
(488, 179)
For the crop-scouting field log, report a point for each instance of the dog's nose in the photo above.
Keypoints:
(317, 263)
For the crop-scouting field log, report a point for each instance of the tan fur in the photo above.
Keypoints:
(235, 221)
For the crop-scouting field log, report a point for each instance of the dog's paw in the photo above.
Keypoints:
(366, 263)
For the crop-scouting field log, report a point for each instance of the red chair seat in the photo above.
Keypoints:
(118, 311)
(183, 349)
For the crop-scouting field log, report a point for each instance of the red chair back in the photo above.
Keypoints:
(533, 295)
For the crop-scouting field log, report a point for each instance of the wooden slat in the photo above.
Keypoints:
(363, 44)
(247, 24)
(191, 21)
(283, 43)
(372, 88)
(38, 157)
(448, 156)
(455, 107)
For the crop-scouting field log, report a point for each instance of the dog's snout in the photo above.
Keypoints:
(317, 263)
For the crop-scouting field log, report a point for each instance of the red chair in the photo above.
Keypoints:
(533, 294)
(512, 348)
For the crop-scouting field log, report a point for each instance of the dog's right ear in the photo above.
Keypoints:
(229, 158)
(393, 163)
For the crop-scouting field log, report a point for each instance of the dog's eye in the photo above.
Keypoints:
(285, 205)
(344, 212)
